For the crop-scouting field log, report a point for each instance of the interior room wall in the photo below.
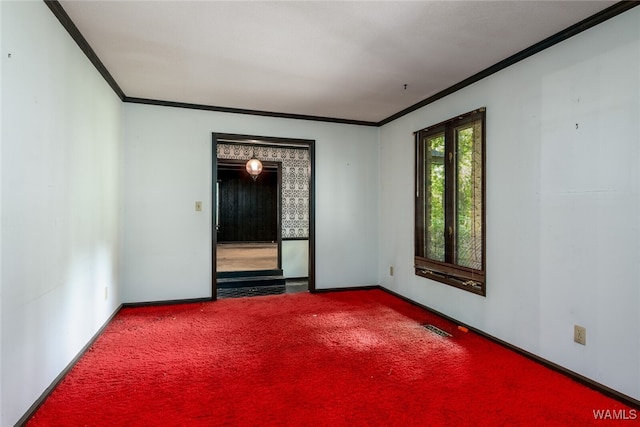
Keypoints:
(563, 202)
(60, 198)
(295, 259)
(1, 116)
(168, 160)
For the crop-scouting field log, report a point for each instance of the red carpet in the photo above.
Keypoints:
(357, 358)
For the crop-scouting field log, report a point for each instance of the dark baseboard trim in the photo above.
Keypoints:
(166, 302)
(350, 288)
(45, 394)
(82, 43)
(607, 391)
(162, 103)
(565, 34)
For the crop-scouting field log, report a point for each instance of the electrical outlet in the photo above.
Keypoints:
(391, 271)
(106, 293)
(198, 206)
(580, 334)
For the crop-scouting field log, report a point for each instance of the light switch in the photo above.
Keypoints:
(198, 206)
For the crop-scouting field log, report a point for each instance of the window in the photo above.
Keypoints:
(450, 201)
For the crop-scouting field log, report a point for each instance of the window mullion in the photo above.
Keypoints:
(450, 199)
(420, 196)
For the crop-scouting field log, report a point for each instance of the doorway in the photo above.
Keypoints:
(237, 233)
(248, 218)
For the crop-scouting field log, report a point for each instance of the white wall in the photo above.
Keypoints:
(167, 244)
(563, 204)
(1, 117)
(60, 198)
(295, 258)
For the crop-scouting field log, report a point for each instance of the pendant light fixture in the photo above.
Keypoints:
(254, 166)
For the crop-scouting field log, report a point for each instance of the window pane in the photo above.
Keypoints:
(468, 246)
(434, 194)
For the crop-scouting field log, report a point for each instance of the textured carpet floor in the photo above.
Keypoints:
(357, 358)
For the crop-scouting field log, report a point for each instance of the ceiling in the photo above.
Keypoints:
(351, 60)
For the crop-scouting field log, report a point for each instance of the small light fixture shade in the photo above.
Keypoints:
(254, 167)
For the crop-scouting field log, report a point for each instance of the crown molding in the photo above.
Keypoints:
(569, 32)
(75, 34)
(245, 111)
(565, 34)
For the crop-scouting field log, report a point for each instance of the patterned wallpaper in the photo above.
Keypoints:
(295, 182)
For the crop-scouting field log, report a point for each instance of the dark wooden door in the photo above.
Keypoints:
(248, 209)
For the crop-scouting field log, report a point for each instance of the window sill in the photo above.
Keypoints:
(470, 281)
